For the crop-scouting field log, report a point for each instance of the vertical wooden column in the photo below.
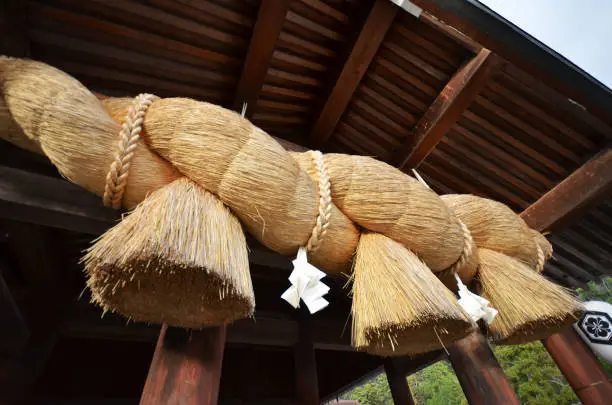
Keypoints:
(186, 367)
(307, 383)
(480, 375)
(579, 365)
(396, 376)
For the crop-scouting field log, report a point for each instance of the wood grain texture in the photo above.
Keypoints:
(479, 373)
(306, 379)
(186, 367)
(446, 109)
(580, 367)
(398, 383)
(267, 29)
(372, 34)
(585, 187)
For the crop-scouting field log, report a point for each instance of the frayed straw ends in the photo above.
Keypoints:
(530, 307)
(399, 306)
(180, 257)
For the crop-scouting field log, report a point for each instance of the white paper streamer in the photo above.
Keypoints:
(306, 285)
(476, 306)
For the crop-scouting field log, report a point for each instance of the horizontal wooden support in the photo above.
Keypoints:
(266, 329)
(53, 202)
(447, 108)
(372, 34)
(568, 200)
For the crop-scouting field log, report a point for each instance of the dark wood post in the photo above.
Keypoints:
(396, 376)
(579, 365)
(186, 367)
(307, 383)
(480, 375)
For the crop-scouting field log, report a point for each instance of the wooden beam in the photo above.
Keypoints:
(372, 34)
(584, 188)
(398, 383)
(580, 367)
(480, 375)
(306, 380)
(511, 43)
(186, 367)
(14, 39)
(53, 202)
(447, 108)
(265, 33)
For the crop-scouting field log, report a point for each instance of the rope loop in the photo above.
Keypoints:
(325, 201)
(541, 259)
(466, 253)
(119, 171)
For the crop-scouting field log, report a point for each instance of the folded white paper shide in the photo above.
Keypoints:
(306, 285)
(476, 306)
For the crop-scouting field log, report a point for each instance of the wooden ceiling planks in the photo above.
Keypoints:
(411, 68)
(130, 47)
(374, 30)
(453, 100)
(308, 52)
(270, 20)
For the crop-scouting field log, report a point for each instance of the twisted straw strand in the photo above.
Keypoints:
(466, 253)
(325, 201)
(119, 171)
(541, 260)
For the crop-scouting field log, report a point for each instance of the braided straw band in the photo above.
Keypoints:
(117, 177)
(325, 200)
(541, 259)
(468, 247)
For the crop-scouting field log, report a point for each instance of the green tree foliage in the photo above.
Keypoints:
(374, 392)
(534, 375)
(436, 385)
(597, 291)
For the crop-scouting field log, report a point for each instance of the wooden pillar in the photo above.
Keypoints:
(186, 367)
(480, 375)
(579, 365)
(307, 383)
(396, 376)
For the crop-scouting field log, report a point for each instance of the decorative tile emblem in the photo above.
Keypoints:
(597, 327)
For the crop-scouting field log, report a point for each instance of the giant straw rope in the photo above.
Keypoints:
(125, 149)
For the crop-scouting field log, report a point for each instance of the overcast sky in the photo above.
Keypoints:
(580, 30)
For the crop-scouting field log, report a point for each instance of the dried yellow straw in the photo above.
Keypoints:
(530, 306)
(399, 306)
(180, 257)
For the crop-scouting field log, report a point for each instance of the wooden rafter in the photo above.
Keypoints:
(588, 185)
(265, 33)
(447, 108)
(372, 34)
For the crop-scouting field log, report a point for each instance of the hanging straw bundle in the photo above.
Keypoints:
(530, 306)
(268, 190)
(180, 257)
(399, 306)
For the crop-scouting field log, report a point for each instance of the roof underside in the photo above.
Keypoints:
(354, 76)
(515, 140)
